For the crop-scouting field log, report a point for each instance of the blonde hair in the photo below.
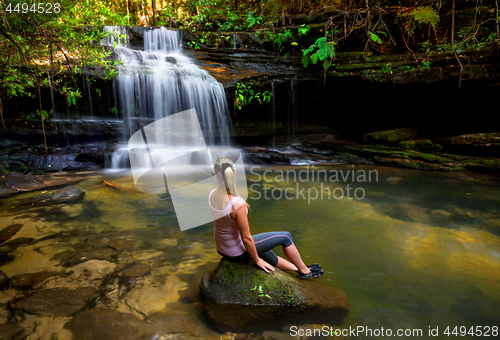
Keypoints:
(224, 170)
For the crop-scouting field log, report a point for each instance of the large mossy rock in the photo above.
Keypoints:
(241, 296)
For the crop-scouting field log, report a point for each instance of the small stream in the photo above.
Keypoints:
(424, 245)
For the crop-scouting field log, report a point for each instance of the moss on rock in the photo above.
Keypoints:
(391, 136)
(240, 296)
(420, 145)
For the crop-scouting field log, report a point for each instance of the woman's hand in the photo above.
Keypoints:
(264, 265)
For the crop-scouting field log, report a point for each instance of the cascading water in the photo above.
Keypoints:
(160, 81)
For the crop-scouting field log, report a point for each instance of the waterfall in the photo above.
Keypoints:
(159, 81)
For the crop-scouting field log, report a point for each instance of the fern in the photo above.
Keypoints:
(419, 16)
(426, 15)
(244, 95)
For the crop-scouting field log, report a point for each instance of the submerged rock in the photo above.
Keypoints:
(67, 194)
(4, 280)
(393, 179)
(24, 281)
(58, 301)
(137, 270)
(11, 331)
(13, 244)
(108, 324)
(7, 233)
(241, 296)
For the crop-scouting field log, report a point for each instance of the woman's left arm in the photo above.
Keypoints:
(246, 237)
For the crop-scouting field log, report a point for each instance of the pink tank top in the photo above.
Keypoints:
(227, 236)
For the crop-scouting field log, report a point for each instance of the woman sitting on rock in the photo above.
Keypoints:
(232, 232)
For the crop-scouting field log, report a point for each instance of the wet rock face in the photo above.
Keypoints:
(241, 296)
(264, 156)
(17, 156)
(391, 136)
(487, 144)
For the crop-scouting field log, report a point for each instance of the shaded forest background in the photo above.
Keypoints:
(39, 49)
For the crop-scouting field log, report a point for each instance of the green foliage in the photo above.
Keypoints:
(303, 29)
(279, 39)
(386, 69)
(407, 67)
(260, 291)
(245, 93)
(322, 51)
(375, 38)
(425, 65)
(253, 20)
(199, 40)
(226, 26)
(194, 45)
(36, 45)
(45, 114)
(426, 15)
(422, 15)
(71, 94)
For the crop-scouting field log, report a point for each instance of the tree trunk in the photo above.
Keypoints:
(128, 13)
(496, 15)
(153, 4)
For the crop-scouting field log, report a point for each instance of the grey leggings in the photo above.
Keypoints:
(264, 242)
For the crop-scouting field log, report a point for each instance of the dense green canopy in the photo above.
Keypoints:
(39, 41)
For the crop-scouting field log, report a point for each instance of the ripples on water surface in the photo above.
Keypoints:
(425, 244)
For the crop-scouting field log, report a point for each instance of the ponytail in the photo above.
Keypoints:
(229, 179)
(224, 168)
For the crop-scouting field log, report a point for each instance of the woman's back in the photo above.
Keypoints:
(227, 237)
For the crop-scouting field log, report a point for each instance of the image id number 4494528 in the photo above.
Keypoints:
(40, 7)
